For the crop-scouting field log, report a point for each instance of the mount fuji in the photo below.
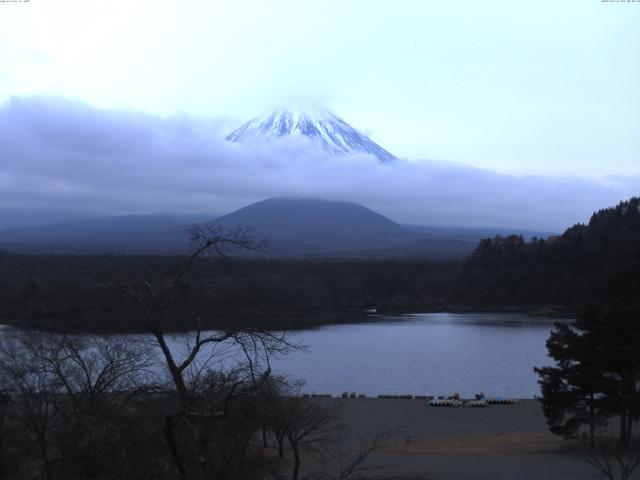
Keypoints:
(319, 124)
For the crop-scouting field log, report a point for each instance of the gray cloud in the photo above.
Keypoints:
(62, 160)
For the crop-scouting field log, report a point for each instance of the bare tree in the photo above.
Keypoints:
(68, 396)
(309, 424)
(344, 457)
(155, 304)
(98, 371)
(4, 455)
(33, 392)
(212, 369)
(613, 459)
(314, 434)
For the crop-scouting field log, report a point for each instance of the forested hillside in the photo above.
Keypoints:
(73, 292)
(586, 264)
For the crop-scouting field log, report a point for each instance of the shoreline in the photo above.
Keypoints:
(501, 442)
(284, 321)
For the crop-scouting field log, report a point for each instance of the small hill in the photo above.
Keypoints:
(312, 227)
(307, 218)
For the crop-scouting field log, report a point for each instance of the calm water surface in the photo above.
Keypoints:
(429, 354)
(432, 353)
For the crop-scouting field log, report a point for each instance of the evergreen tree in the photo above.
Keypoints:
(597, 372)
(571, 391)
(617, 332)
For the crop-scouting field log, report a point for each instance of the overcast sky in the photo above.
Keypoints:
(519, 90)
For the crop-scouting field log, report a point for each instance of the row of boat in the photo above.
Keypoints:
(453, 401)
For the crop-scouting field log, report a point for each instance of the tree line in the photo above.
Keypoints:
(64, 293)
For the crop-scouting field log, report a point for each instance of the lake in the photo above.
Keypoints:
(431, 353)
(421, 354)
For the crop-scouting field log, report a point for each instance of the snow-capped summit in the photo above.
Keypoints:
(319, 124)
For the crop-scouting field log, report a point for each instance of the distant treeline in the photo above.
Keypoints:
(78, 292)
(586, 264)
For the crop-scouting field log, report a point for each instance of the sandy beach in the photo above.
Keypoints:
(500, 442)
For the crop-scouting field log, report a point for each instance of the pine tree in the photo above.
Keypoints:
(597, 372)
(571, 391)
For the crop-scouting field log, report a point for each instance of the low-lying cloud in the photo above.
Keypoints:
(62, 160)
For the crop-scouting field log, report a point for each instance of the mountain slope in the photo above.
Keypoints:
(319, 124)
(156, 233)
